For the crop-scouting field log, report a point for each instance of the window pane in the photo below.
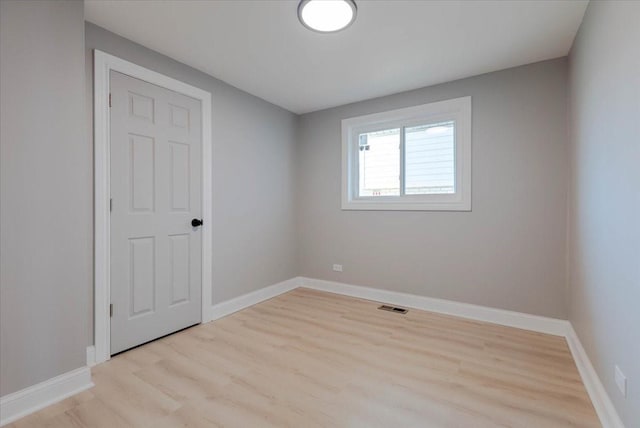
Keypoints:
(379, 163)
(430, 159)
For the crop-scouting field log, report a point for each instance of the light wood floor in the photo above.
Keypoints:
(312, 359)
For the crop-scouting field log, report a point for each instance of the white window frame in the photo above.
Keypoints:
(457, 110)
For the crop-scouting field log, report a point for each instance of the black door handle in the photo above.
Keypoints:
(196, 222)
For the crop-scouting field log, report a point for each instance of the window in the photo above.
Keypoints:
(416, 158)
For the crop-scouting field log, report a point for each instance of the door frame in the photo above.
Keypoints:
(103, 63)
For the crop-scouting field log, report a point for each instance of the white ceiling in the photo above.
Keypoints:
(393, 46)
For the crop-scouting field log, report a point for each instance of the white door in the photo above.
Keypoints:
(156, 179)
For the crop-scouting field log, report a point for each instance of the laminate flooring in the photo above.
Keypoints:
(314, 359)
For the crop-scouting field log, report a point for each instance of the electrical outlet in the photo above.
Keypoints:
(337, 268)
(621, 381)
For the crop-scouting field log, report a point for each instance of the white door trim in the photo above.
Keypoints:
(103, 64)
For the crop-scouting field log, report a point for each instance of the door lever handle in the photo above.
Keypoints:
(196, 222)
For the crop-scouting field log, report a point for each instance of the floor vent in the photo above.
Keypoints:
(393, 309)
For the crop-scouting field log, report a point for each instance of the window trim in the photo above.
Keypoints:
(458, 110)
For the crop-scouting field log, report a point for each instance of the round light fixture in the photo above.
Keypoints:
(327, 16)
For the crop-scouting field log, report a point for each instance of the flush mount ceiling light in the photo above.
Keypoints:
(327, 16)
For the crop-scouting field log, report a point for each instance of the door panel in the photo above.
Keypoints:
(180, 256)
(180, 172)
(156, 180)
(141, 164)
(142, 281)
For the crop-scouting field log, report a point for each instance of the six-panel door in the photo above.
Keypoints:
(156, 254)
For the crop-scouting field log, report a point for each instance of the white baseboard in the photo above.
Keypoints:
(18, 404)
(91, 356)
(230, 306)
(521, 320)
(598, 395)
(607, 413)
(21, 403)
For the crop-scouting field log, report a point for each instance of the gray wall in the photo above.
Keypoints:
(46, 178)
(47, 186)
(605, 195)
(274, 171)
(253, 166)
(509, 252)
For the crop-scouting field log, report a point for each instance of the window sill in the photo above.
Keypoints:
(368, 205)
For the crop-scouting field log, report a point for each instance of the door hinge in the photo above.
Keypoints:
(109, 99)
(110, 310)
(110, 204)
